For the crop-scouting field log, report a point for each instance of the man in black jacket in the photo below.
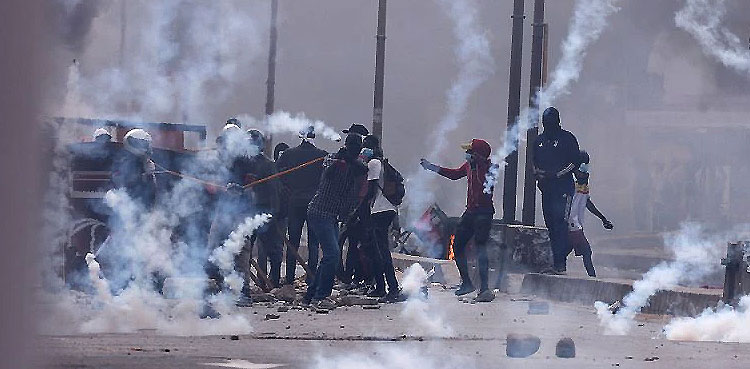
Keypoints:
(301, 185)
(556, 154)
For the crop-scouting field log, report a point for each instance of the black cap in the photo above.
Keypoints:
(358, 129)
(550, 117)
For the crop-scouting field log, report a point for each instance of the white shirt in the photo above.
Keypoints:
(375, 172)
(578, 207)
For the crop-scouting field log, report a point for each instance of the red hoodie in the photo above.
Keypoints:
(476, 200)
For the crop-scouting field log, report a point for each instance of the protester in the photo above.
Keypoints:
(301, 185)
(264, 200)
(133, 169)
(381, 213)
(556, 155)
(582, 201)
(476, 221)
(335, 199)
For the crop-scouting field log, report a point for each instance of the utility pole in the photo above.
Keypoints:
(538, 65)
(377, 111)
(514, 109)
(271, 81)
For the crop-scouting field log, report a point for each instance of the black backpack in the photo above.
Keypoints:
(393, 184)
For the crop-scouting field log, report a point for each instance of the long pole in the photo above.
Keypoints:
(537, 58)
(271, 81)
(514, 108)
(377, 111)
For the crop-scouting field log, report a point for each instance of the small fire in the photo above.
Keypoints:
(451, 256)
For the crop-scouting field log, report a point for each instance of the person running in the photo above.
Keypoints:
(581, 202)
(476, 221)
(556, 155)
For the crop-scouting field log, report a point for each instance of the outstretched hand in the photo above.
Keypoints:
(427, 165)
(607, 224)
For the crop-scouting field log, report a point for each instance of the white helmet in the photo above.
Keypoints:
(100, 133)
(230, 129)
(138, 141)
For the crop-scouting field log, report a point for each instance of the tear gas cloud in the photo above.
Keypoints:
(724, 324)
(284, 122)
(590, 18)
(697, 254)
(392, 358)
(705, 21)
(418, 309)
(475, 66)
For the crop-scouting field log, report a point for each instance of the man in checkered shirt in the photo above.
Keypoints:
(335, 199)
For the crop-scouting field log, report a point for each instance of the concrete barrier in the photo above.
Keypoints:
(678, 301)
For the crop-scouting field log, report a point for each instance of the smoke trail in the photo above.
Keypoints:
(284, 122)
(223, 256)
(697, 255)
(704, 20)
(724, 324)
(394, 358)
(590, 18)
(475, 65)
(417, 309)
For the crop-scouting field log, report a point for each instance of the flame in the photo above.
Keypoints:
(451, 256)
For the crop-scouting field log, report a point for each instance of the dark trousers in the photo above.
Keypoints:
(381, 222)
(556, 209)
(269, 249)
(578, 242)
(327, 233)
(477, 226)
(297, 219)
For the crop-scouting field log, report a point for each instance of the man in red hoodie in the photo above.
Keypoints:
(477, 219)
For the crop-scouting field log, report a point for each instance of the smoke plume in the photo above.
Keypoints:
(590, 18)
(417, 308)
(475, 65)
(724, 324)
(704, 20)
(284, 122)
(696, 255)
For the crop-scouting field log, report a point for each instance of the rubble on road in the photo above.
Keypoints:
(522, 345)
(565, 348)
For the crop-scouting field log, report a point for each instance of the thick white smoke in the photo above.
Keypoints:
(475, 66)
(224, 255)
(590, 18)
(182, 60)
(284, 122)
(705, 21)
(724, 324)
(696, 255)
(417, 308)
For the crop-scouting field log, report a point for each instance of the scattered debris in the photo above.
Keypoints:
(166, 350)
(370, 307)
(653, 358)
(615, 307)
(565, 348)
(285, 293)
(262, 297)
(272, 316)
(234, 338)
(283, 309)
(522, 345)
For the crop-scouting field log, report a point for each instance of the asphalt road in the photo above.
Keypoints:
(390, 337)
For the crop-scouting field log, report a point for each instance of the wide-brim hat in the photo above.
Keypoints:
(358, 129)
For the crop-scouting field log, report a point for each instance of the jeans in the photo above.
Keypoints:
(477, 226)
(327, 233)
(297, 219)
(556, 209)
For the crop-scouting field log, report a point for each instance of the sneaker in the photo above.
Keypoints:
(393, 296)
(465, 288)
(485, 296)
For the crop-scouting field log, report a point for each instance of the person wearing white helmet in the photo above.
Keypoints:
(101, 135)
(133, 169)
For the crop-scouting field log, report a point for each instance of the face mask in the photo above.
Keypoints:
(366, 153)
(584, 168)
